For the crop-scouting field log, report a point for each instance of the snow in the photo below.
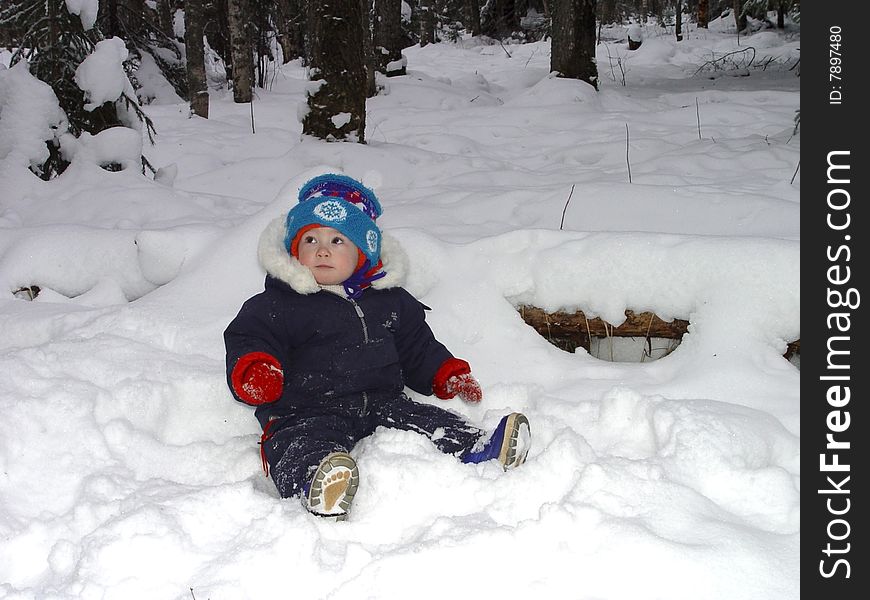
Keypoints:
(341, 119)
(101, 74)
(129, 472)
(31, 116)
(86, 11)
(155, 89)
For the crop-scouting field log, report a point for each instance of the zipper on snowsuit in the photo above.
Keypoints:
(362, 319)
(365, 328)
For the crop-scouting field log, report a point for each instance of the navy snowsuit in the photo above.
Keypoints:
(345, 365)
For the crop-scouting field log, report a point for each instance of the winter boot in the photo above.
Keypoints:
(331, 489)
(509, 443)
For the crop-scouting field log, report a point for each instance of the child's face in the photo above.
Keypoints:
(331, 257)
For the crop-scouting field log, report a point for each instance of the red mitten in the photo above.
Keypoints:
(466, 387)
(454, 378)
(258, 378)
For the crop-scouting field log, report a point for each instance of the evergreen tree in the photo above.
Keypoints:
(54, 42)
(142, 29)
(758, 9)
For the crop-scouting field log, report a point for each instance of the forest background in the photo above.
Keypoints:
(663, 177)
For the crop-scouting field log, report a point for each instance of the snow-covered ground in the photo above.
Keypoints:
(127, 470)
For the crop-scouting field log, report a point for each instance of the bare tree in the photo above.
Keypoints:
(573, 40)
(242, 50)
(197, 86)
(678, 20)
(387, 34)
(337, 96)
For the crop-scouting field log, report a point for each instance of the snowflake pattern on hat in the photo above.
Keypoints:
(340, 202)
(372, 238)
(332, 211)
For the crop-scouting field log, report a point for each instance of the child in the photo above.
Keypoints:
(325, 352)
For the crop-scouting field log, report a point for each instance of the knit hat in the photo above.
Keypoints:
(349, 207)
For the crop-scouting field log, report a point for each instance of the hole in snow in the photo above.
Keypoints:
(643, 337)
(26, 293)
(793, 353)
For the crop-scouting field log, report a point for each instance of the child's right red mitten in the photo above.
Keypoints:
(258, 378)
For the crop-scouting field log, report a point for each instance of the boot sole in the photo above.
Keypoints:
(333, 486)
(517, 439)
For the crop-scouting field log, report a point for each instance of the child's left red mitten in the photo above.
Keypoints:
(258, 378)
(454, 378)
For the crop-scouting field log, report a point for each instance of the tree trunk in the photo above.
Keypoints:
(110, 26)
(703, 13)
(387, 33)
(427, 22)
(165, 17)
(196, 83)
(371, 60)
(500, 18)
(780, 15)
(739, 15)
(216, 30)
(54, 47)
(678, 20)
(290, 28)
(573, 40)
(509, 16)
(337, 107)
(240, 42)
(473, 9)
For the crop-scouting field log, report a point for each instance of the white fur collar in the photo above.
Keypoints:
(278, 263)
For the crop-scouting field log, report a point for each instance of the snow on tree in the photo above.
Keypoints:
(59, 35)
(32, 122)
